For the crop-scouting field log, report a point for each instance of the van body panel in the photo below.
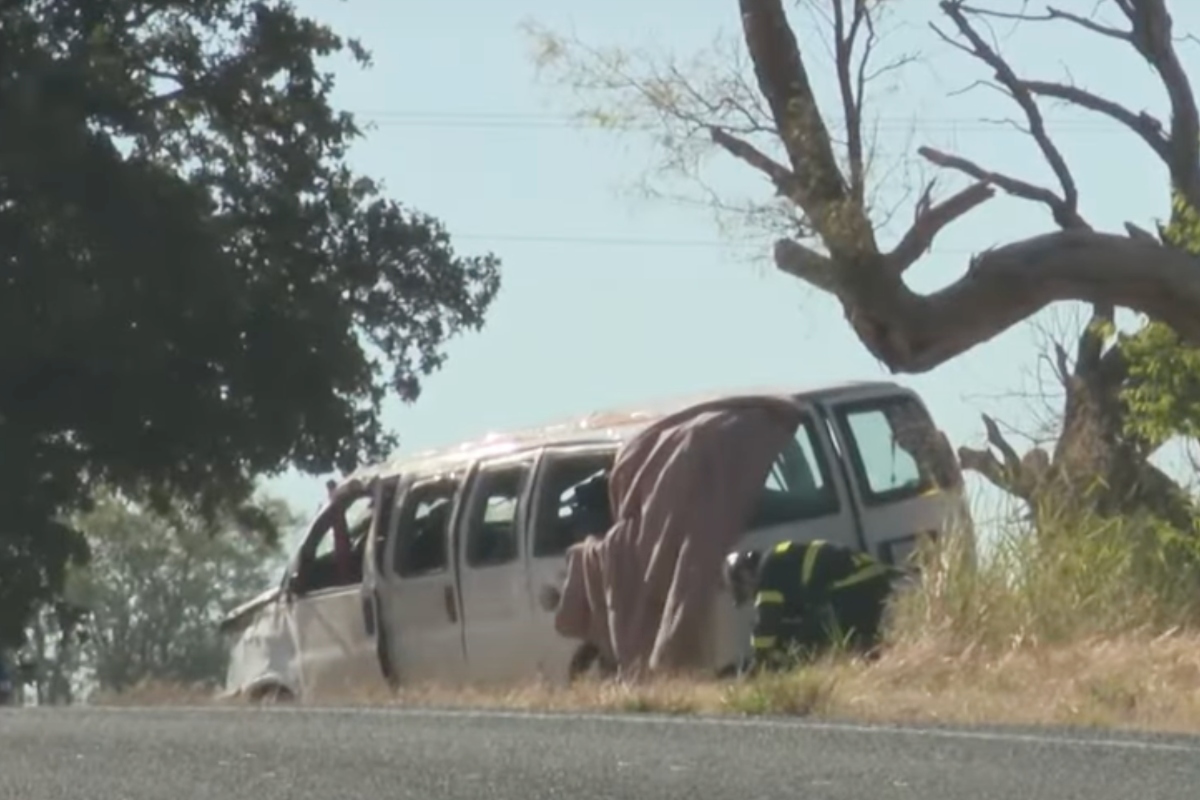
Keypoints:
(336, 652)
(264, 652)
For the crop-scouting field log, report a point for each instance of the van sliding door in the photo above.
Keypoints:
(419, 613)
(558, 519)
(495, 609)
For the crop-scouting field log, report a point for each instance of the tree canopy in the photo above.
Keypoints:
(195, 288)
(156, 588)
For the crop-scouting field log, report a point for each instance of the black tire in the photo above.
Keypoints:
(588, 663)
(271, 694)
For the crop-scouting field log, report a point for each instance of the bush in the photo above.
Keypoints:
(1055, 582)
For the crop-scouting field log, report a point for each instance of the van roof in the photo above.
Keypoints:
(611, 425)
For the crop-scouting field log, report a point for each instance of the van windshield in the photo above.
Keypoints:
(895, 447)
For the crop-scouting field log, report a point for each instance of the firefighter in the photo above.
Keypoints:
(809, 596)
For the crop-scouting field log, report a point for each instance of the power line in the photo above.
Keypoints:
(500, 119)
(633, 241)
(523, 121)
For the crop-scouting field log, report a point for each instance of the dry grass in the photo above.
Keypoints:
(1096, 628)
(1136, 682)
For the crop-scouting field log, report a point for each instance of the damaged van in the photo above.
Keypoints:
(432, 568)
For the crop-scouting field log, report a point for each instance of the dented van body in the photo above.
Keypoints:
(451, 550)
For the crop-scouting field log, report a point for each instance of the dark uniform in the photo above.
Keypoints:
(813, 595)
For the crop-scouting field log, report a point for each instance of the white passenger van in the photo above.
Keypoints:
(452, 548)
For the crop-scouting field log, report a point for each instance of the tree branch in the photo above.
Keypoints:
(1151, 36)
(931, 218)
(1053, 14)
(1066, 208)
(1010, 185)
(914, 333)
(1012, 461)
(808, 265)
(986, 464)
(843, 45)
(1008, 472)
(783, 80)
(782, 177)
(1144, 125)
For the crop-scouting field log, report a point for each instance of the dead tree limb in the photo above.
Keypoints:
(911, 332)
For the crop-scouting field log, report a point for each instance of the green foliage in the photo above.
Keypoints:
(1064, 580)
(194, 287)
(1163, 393)
(156, 588)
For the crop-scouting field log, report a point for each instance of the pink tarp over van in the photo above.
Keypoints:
(681, 492)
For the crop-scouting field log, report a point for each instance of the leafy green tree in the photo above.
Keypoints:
(195, 289)
(1164, 393)
(157, 586)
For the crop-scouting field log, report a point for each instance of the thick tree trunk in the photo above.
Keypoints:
(1096, 467)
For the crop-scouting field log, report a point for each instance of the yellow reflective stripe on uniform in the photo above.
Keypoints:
(762, 642)
(863, 575)
(768, 597)
(782, 547)
(810, 561)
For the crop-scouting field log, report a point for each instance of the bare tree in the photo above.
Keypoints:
(1096, 456)
(912, 332)
(820, 167)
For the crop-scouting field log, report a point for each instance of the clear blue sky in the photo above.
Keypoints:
(609, 300)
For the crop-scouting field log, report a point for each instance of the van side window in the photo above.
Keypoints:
(894, 447)
(423, 535)
(798, 486)
(573, 502)
(493, 533)
(318, 567)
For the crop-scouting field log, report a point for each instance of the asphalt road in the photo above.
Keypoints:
(327, 754)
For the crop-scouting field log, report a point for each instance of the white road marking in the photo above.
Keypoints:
(683, 720)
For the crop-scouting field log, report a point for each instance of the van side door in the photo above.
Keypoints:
(491, 552)
(805, 497)
(334, 649)
(555, 524)
(419, 615)
(904, 481)
(386, 498)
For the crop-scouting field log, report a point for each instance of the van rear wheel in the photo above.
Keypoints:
(270, 695)
(589, 664)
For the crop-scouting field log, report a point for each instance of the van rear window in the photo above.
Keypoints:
(573, 502)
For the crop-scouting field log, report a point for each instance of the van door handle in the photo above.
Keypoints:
(451, 609)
